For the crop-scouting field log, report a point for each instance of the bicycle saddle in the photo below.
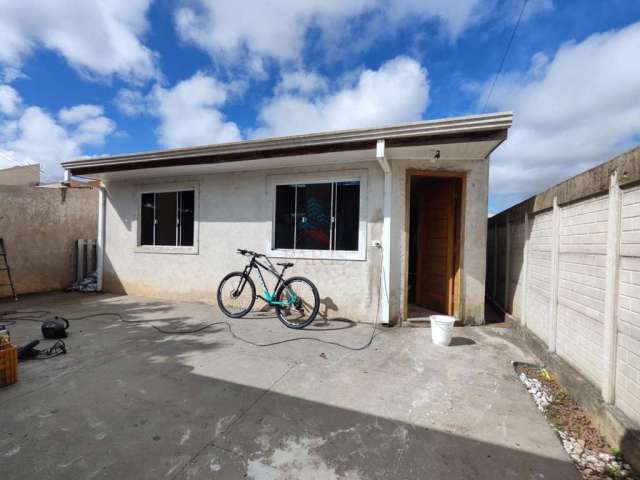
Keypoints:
(286, 264)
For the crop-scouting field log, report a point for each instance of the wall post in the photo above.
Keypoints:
(101, 238)
(507, 263)
(611, 290)
(525, 269)
(495, 261)
(555, 270)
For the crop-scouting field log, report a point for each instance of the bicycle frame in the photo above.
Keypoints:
(268, 296)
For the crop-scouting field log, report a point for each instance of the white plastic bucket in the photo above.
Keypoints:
(441, 329)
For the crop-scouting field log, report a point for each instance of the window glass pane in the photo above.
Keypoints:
(313, 216)
(347, 213)
(285, 215)
(186, 201)
(166, 211)
(146, 219)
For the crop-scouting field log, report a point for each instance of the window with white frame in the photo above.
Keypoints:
(317, 216)
(167, 218)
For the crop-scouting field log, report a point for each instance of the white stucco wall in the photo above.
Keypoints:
(234, 212)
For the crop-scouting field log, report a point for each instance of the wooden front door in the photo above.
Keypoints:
(436, 245)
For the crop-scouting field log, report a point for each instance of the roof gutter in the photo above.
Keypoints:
(358, 139)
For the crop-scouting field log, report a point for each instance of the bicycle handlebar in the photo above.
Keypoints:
(242, 251)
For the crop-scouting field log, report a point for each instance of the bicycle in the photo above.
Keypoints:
(295, 299)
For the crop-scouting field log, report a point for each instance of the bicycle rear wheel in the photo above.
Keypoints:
(301, 302)
(236, 294)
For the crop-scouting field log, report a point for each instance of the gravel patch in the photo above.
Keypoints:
(584, 444)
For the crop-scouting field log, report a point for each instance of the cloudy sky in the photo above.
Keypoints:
(105, 77)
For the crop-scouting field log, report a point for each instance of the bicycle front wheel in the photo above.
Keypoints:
(299, 302)
(236, 294)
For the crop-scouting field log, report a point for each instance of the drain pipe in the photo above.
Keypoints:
(101, 237)
(385, 275)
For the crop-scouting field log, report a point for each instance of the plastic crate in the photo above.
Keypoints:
(8, 364)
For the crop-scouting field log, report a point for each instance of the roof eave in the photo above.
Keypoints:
(431, 128)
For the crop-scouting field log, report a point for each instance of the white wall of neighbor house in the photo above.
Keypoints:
(596, 290)
(235, 211)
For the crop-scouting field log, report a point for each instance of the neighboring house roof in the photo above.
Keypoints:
(489, 128)
(23, 175)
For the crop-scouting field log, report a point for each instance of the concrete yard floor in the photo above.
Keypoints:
(129, 402)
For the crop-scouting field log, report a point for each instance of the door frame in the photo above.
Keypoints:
(458, 260)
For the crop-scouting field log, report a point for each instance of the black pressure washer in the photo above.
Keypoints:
(55, 328)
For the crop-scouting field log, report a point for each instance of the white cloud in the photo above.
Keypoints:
(244, 32)
(86, 124)
(572, 111)
(96, 37)
(32, 135)
(302, 82)
(9, 100)
(535, 7)
(9, 74)
(456, 16)
(189, 113)
(79, 113)
(263, 29)
(131, 102)
(397, 92)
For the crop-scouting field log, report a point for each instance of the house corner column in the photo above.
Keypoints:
(385, 273)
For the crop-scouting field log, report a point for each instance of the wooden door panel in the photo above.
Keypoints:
(435, 259)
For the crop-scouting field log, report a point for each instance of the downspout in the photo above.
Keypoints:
(385, 274)
(101, 237)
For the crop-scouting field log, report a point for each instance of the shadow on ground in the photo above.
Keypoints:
(129, 402)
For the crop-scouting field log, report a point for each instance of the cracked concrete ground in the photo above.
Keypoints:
(130, 402)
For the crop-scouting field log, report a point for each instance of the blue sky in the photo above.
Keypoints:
(94, 77)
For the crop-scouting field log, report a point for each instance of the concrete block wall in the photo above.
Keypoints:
(538, 296)
(581, 285)
(568, 260)
(501, 266)
(491, 260)
(627, 380)
(516, 273)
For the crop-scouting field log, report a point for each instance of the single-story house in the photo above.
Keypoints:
(389, 223)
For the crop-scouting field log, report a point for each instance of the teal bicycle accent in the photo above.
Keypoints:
(270, 299)
(295, 299)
